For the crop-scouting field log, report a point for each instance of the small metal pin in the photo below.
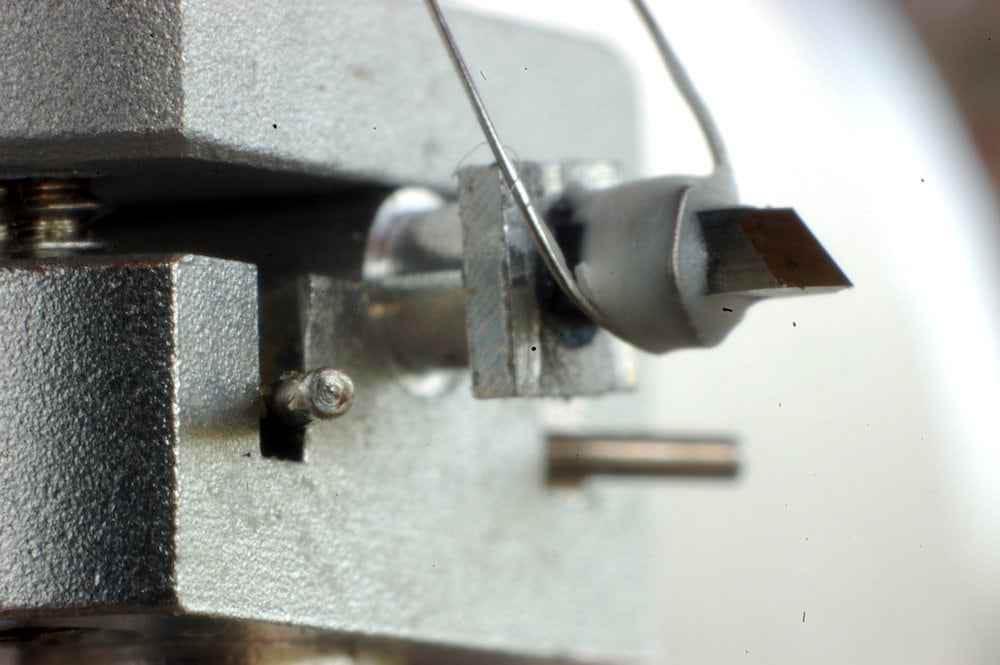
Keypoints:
(320, 394)
(573, 457)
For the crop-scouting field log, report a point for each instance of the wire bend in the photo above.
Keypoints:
(684, 85)
(547, 244)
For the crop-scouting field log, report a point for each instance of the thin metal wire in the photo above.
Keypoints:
(685, 87)
(548, 247)
(547, 244)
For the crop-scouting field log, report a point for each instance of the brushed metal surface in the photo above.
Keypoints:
(525, 339)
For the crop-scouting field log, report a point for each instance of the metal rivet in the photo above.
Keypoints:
(322, 393)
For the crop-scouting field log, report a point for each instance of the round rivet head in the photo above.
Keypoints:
(331, 392)
(322, 394)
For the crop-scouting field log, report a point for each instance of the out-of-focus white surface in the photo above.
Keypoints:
(866, 527)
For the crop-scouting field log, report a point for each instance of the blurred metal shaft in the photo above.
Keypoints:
(574, 456)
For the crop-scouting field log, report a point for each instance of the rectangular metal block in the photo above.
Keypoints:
(525, 338)
(107, 367)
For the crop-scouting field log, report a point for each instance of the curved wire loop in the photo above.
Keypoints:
(684, 85)
(546, 241)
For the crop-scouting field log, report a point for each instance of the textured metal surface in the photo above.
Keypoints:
(349, 89)
(414, 518)
(108, 367)
(133, 473)
(524, 339)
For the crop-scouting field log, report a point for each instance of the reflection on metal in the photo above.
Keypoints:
(46, 217)
(577, 456)
(413, 275)
(765, 252)
(454, 286)
(320, 394)
(448, 291)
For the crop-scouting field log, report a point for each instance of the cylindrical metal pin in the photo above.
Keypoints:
(413, 274)
(299, 398)
(576, 456)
